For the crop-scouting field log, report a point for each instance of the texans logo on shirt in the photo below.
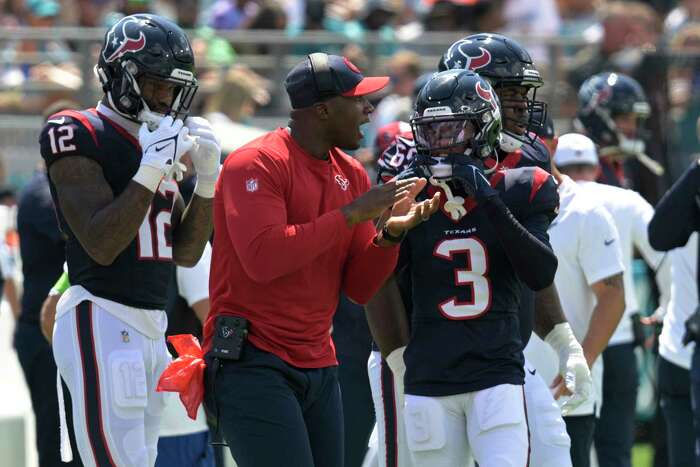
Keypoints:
(124, 37)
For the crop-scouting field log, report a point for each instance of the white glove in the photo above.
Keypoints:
(162, 149)
(206, 155)
(398, 368)
(572, 365)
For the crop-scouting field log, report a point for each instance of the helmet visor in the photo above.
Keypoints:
(443, 136)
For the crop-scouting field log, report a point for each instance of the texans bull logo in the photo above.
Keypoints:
(487, 95)
(473, 62)
(124, 37)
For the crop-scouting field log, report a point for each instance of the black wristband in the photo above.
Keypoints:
(392, 238)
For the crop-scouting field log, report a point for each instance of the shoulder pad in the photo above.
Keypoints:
(69, 133)
(395, 158)
(536, 155)
(527, 190)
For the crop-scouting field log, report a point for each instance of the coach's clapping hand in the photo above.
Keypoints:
(374, 202)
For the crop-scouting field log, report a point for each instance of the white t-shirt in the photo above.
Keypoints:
(684, 300)
(631, 214)
(587, 245)
(193, 285)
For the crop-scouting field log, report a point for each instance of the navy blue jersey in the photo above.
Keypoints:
(398, 156)
(41, 245)
(140, 274)
(465, 332)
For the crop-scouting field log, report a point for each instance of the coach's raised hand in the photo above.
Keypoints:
(374, 202)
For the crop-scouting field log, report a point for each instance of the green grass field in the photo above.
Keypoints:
(642, 455)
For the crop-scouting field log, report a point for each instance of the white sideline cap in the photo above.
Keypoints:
(574, 148)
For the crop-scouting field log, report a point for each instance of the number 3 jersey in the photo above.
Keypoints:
(140, 274)
(465, 333)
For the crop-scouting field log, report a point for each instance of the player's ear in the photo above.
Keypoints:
(322, 110)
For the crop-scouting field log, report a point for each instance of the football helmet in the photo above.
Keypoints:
(146, 69)
(601, 98)
(457, 118)
(505, 63)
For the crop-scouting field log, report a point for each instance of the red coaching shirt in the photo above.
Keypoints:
(283, 250)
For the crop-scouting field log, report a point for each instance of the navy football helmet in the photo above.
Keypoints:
(457, 117)
(146, 68)
(601, 98)
(505, 63)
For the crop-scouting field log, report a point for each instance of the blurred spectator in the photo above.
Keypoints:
(42, 247)
(404, 69)
(687, 11)
(683, 81)
(627, 30)
(538, 18)
(232, 14)
(229, 109)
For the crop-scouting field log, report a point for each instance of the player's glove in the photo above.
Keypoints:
(162, 149)
(206, 155)
(473, 181)
(572, 365)
(398, 368)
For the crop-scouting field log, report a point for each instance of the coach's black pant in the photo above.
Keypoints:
(272, 414)
(614, 433)
(580, 430)
(39, 368)
(674, 391)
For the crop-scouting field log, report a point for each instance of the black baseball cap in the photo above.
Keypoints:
(320, 76)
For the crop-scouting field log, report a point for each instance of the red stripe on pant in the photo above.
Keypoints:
(91, 385)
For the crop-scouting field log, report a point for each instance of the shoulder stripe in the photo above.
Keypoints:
(540, 177)
(82, 119)
(125, 134)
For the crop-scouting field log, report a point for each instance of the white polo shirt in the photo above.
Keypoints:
(587, 245)
(684, 300)
(193, 285)
(631, 214)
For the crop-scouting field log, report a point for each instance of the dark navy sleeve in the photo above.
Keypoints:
(678, 213)
(68, 133)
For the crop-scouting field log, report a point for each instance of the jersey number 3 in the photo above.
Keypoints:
(473, 276)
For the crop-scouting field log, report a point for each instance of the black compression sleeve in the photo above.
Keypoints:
(677, 215)
(527, 248)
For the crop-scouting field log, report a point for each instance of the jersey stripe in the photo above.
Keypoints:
(391, 434)
(91, 385)
(128, 136)
(540, 177)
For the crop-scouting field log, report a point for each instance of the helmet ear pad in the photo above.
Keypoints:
(121, 92)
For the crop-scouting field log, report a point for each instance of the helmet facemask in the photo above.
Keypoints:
(523, 117)
(444, 140)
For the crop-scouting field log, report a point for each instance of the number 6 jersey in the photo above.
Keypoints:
(465, 334)
(139, 275)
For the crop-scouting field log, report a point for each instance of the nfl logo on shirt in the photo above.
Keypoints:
(251, 185)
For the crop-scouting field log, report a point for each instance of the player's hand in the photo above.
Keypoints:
(163, 146)
(374, 202)
(473, 181)
(574, 375)
(407, 213)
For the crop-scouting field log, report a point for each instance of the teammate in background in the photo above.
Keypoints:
(611, 110)
(502, 230)
(614, 434)
(589, 279)
(110, 172)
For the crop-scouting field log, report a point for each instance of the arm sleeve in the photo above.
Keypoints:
(643, 212)
(599, 250)
(677, 215)
(193, 283)
(526, 244)
(368, 265)
(252, 187)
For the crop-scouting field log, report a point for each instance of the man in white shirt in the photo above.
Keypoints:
(577, 157)
(591, 290)
(673, 374)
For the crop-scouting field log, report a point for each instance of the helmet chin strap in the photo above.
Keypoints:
(454, 205)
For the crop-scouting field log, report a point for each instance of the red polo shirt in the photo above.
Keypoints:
(283, 251)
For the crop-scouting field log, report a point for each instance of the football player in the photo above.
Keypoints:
(110, 171)
(464, 365)
(612, 108)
